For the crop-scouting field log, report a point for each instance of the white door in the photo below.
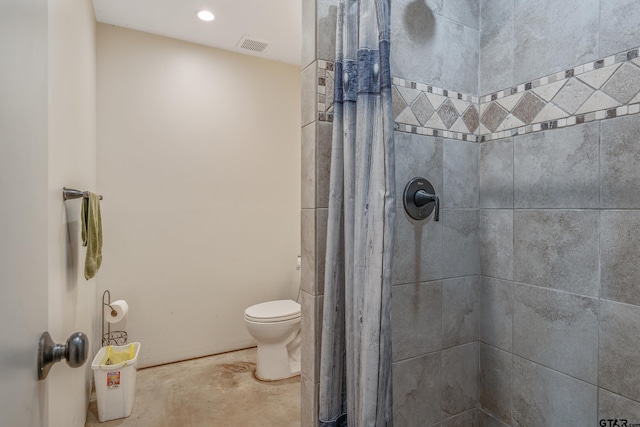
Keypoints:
(23, 209)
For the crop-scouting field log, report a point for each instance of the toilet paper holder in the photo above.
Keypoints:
(115, 337)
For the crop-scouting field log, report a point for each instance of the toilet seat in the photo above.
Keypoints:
(273, 311)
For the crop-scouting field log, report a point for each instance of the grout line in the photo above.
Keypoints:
(555, 370)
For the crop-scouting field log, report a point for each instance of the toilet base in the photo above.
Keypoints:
(266, 380)
(278, 362)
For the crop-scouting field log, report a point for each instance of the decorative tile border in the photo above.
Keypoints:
(325, 91)
(597, 90)
(430, 110)
(417, 108)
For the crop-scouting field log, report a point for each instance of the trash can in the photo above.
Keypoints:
(114, 373)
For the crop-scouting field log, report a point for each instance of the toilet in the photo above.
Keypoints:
(275, 325)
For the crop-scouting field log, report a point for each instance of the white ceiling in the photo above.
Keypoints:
(278, 21)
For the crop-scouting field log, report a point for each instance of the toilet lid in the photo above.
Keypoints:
(274, 310)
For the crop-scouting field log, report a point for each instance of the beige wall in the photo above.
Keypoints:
(72, 163)
(199, 164)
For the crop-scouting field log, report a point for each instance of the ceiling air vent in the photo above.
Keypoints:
(253, 44)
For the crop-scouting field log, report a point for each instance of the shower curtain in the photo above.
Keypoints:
(355, 367)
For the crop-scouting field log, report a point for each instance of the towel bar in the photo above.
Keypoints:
(70, 193)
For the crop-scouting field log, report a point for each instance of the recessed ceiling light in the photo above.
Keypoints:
(205, 15)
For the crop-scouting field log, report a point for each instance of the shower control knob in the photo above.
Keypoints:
(420, 199)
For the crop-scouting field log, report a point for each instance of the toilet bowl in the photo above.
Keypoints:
(275, 325)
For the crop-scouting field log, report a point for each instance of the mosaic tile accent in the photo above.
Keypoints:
(325, 91)
(430, 110)
(598, 90)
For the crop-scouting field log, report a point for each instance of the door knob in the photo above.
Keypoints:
(75, 351)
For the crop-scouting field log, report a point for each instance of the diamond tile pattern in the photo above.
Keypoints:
(624, 84)
(493, 116)
(528, 107)
(572, 96)
(448, 113)
(471, 118)
(422, 109)
(398, 101)
(601, 89)
(554, 101)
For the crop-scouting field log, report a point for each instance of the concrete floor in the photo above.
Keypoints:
(209, 392)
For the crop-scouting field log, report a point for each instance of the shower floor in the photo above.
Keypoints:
(209, 392)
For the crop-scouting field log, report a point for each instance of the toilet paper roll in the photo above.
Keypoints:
(121, 309)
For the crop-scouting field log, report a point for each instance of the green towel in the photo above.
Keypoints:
(91, 234)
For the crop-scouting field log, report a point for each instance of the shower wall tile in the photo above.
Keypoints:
(496, 174)
(308, 251)
(417, 391)
(432, 48)
(461, 55)
(417, 155)
(495, 382)
(619, 255)
(325, 96)
(461, 243)
(619, 365)
(323, 163)
(496, 54)
(620, 181)
(308, 167)
(557, 329)
(557, 249)
(309, 94)
(416, 313)
(624, 84)
(613, 406)
(459, 379)
(460, 174)
(417, 250)
(496, 313)
(311, 335)
(496, 243)
(570, 30)
(436, 6)
(308, 402)
(322, 216)
(466, 419)
(522, 4)
(419, 43)
(543, 397)
(325, 28)
(618, 26)
(466, 12)
(557, 169)
(495, 12)
(308, 37)
(460, 310)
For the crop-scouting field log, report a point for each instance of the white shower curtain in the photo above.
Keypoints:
(355, 371)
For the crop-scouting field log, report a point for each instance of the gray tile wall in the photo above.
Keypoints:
(568, 319)
(436, 283)
(521, 40)
(559, 230)
(538, 238)
(436, 42)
